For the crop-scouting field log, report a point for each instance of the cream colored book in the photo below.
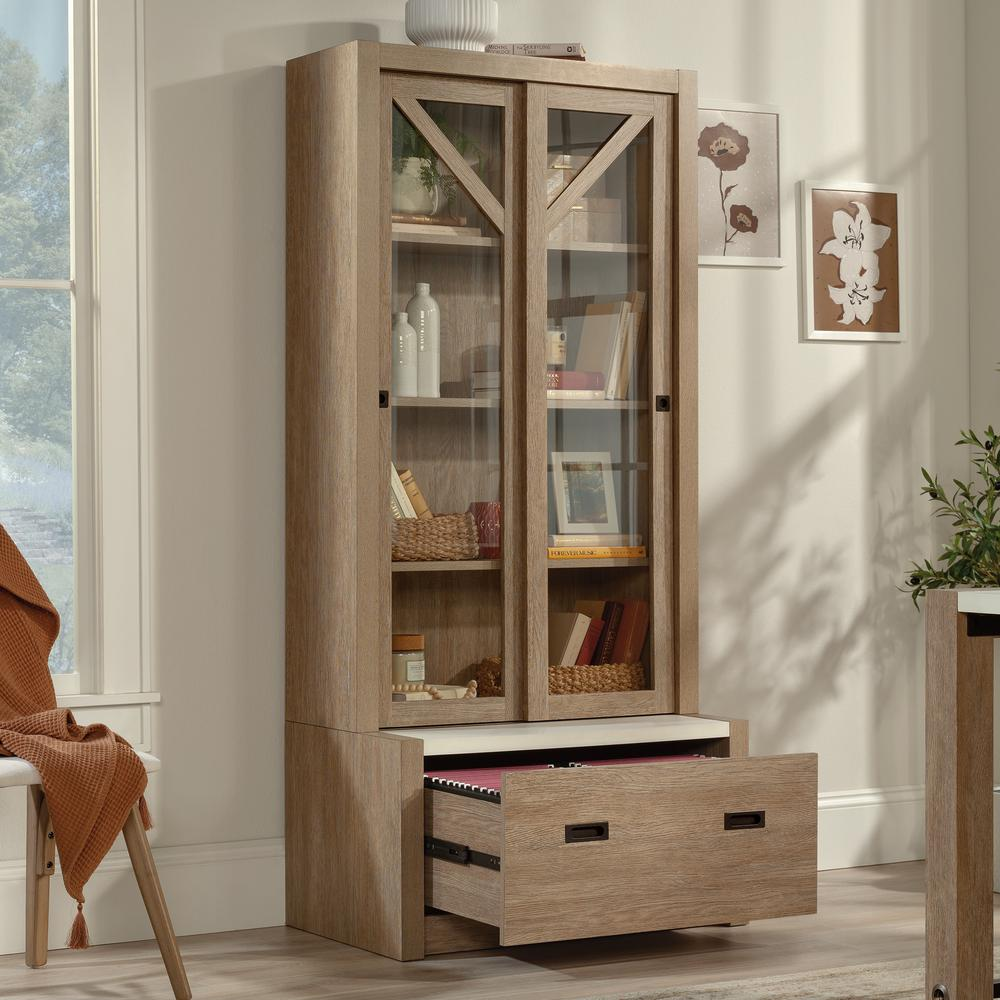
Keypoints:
(420, 507)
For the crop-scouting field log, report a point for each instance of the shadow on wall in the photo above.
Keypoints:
(801, 613)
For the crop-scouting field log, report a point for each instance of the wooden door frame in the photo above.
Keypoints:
(405, 91)
(672, 297)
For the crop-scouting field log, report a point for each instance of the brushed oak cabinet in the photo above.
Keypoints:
(492, 325)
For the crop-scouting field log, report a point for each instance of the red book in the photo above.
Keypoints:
(590, 640)
(613, 617)
(631, 633)
(574, 380)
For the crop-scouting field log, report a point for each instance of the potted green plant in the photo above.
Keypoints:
(418, 186)
(972, 556)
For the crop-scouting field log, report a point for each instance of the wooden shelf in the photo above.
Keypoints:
(595, 563)
(449, 242)
(445, 242)
(597, 404)
(600, 247)
(486, 403)
(448, 712)
(448, 566)
(446, 402)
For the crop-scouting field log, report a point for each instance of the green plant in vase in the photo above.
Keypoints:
(419, 187)
(972, 556)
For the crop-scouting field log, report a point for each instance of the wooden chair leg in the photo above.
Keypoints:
(40, 861)
(156, 907)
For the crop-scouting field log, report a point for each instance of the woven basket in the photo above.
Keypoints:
(444, 538)
(598, 678)
(595, 679)
(489, 678)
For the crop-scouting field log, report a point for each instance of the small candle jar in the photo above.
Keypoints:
(407, 658)
(555, 346)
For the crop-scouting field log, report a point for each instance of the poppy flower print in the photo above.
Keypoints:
(727, 149)
(724, 146)
(739, 190)
(742, 219)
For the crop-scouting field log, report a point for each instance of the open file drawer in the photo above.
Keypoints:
(583, 852)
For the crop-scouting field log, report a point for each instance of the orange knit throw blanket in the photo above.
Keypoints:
(91, 777)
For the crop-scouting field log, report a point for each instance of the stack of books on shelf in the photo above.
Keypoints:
(486, 385)
(574, 385)
(596, 547)
(598, 632)
(544, 50)
(608, 339)
(405, 498)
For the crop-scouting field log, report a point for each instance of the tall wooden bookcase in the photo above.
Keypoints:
(534, 196)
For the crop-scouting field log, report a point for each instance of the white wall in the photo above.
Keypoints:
(809, 452)
(983, 85)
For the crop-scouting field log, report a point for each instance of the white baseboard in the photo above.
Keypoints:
(871, 826)
(208, 887)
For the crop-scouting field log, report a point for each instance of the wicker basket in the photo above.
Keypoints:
(597, 678)
(489, 678)
(445, 538)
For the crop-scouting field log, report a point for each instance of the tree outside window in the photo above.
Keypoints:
(36, 299)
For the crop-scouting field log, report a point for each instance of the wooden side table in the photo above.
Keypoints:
(960, 628)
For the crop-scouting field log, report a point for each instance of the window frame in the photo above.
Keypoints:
(110, 418)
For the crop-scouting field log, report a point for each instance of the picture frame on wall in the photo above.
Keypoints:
(584, 492)
(739, 185)
(853, 271)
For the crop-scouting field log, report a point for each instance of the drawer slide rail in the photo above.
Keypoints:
(459, 854)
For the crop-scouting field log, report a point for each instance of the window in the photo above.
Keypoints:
(73, 406)
(42, 285)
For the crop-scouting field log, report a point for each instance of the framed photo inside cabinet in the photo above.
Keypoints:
(739, 185)
(853, 272)
(584, 492)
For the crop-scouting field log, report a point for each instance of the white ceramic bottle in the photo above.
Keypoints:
(425, 318)
(404, 357)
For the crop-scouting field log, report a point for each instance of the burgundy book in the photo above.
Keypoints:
(590, 641)
(631, 633)
(613, 616)
(574, 380)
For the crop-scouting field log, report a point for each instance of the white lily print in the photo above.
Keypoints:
(858, 298)
(856, 242)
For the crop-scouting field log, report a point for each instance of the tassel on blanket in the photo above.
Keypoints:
(79, 936)
(144, 814)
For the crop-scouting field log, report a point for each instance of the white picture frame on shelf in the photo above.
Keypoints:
(854, 274)
(739, 185)
(584, 492)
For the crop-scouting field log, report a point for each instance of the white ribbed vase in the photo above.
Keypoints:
(452, 24)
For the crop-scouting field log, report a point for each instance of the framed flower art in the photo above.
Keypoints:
(853, 275)
(739, 185)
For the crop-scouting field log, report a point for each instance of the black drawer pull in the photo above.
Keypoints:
(581, 833)
(745, 821)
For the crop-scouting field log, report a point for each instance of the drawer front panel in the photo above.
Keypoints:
(687, 844)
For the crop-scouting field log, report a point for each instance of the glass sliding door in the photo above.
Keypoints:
(596, 384)
(449, 185)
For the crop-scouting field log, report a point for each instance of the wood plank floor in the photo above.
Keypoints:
(866, 915)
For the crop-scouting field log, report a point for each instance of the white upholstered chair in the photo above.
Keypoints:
(40, 865)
